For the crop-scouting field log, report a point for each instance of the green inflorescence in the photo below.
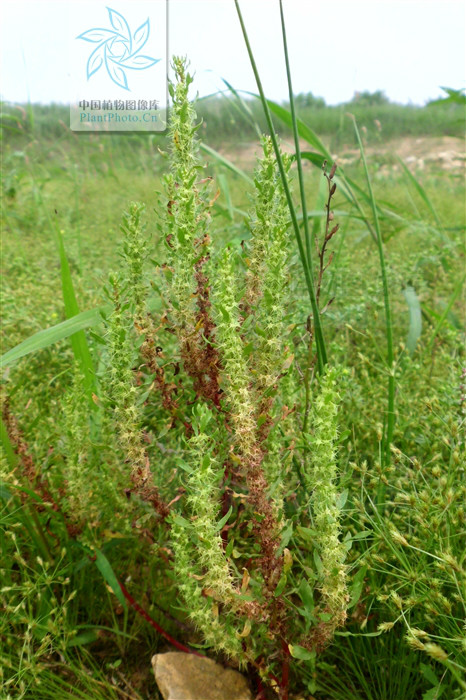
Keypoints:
(321, 481)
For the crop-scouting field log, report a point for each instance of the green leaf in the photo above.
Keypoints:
(107, 572)
(224, 312)
(362, 535)
(415, 318)
(225, 190)
(184, 465)
(429, 674)
(50, 336)
(280, 586)
(224, 520)
(179, 520)
(8, 449)
(286, 537)
(325, 617)
(421, 191)
(357, 586)
(454, 96)
(306, 594)
(434, 693)
(84, 638)
(307, 533)
(298, 652)
(78, 340)
(318, 563)
(244, 108)
(43, 615)
(5, 495)
(316, 159)
(304, 131)
(342, 498)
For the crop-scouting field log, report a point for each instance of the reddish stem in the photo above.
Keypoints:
(285, 671)
(155, 624)
(260, 690)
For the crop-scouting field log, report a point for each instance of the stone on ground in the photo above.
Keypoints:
(182, 676)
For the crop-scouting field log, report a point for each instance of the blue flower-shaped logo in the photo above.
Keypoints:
(118, 49)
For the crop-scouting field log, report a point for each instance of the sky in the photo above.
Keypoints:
(407, 48)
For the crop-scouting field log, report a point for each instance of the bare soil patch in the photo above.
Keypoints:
(446, 153)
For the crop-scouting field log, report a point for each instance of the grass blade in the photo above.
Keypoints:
(307, 238)
(303, 129)
(50, 336)
(421, 192)
(7, 447)
(105, 568)
(320, 343)
(227, 163)
(225, 189)
(446, 311)
(78, 340)
(244, 107)
(316, 159)
(388, 315)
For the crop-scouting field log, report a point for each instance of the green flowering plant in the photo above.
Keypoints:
(249, 485)
(200, 436)
(246, 572)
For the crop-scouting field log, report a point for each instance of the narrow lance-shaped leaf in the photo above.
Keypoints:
(50, 336)
(227, 163)
(78, 340)
(7, 447)
(415, 318)
(420, 190)
(107, 572)
(388, 317)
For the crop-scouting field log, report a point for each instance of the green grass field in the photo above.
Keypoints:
(68, 631)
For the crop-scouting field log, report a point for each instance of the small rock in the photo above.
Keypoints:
(182, 676)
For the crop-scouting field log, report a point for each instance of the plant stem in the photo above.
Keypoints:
(284, 686)
(156, 625)
(296, 144)
(388, 322)
(320, 343)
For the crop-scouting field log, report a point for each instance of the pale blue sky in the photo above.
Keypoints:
(408, 48)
